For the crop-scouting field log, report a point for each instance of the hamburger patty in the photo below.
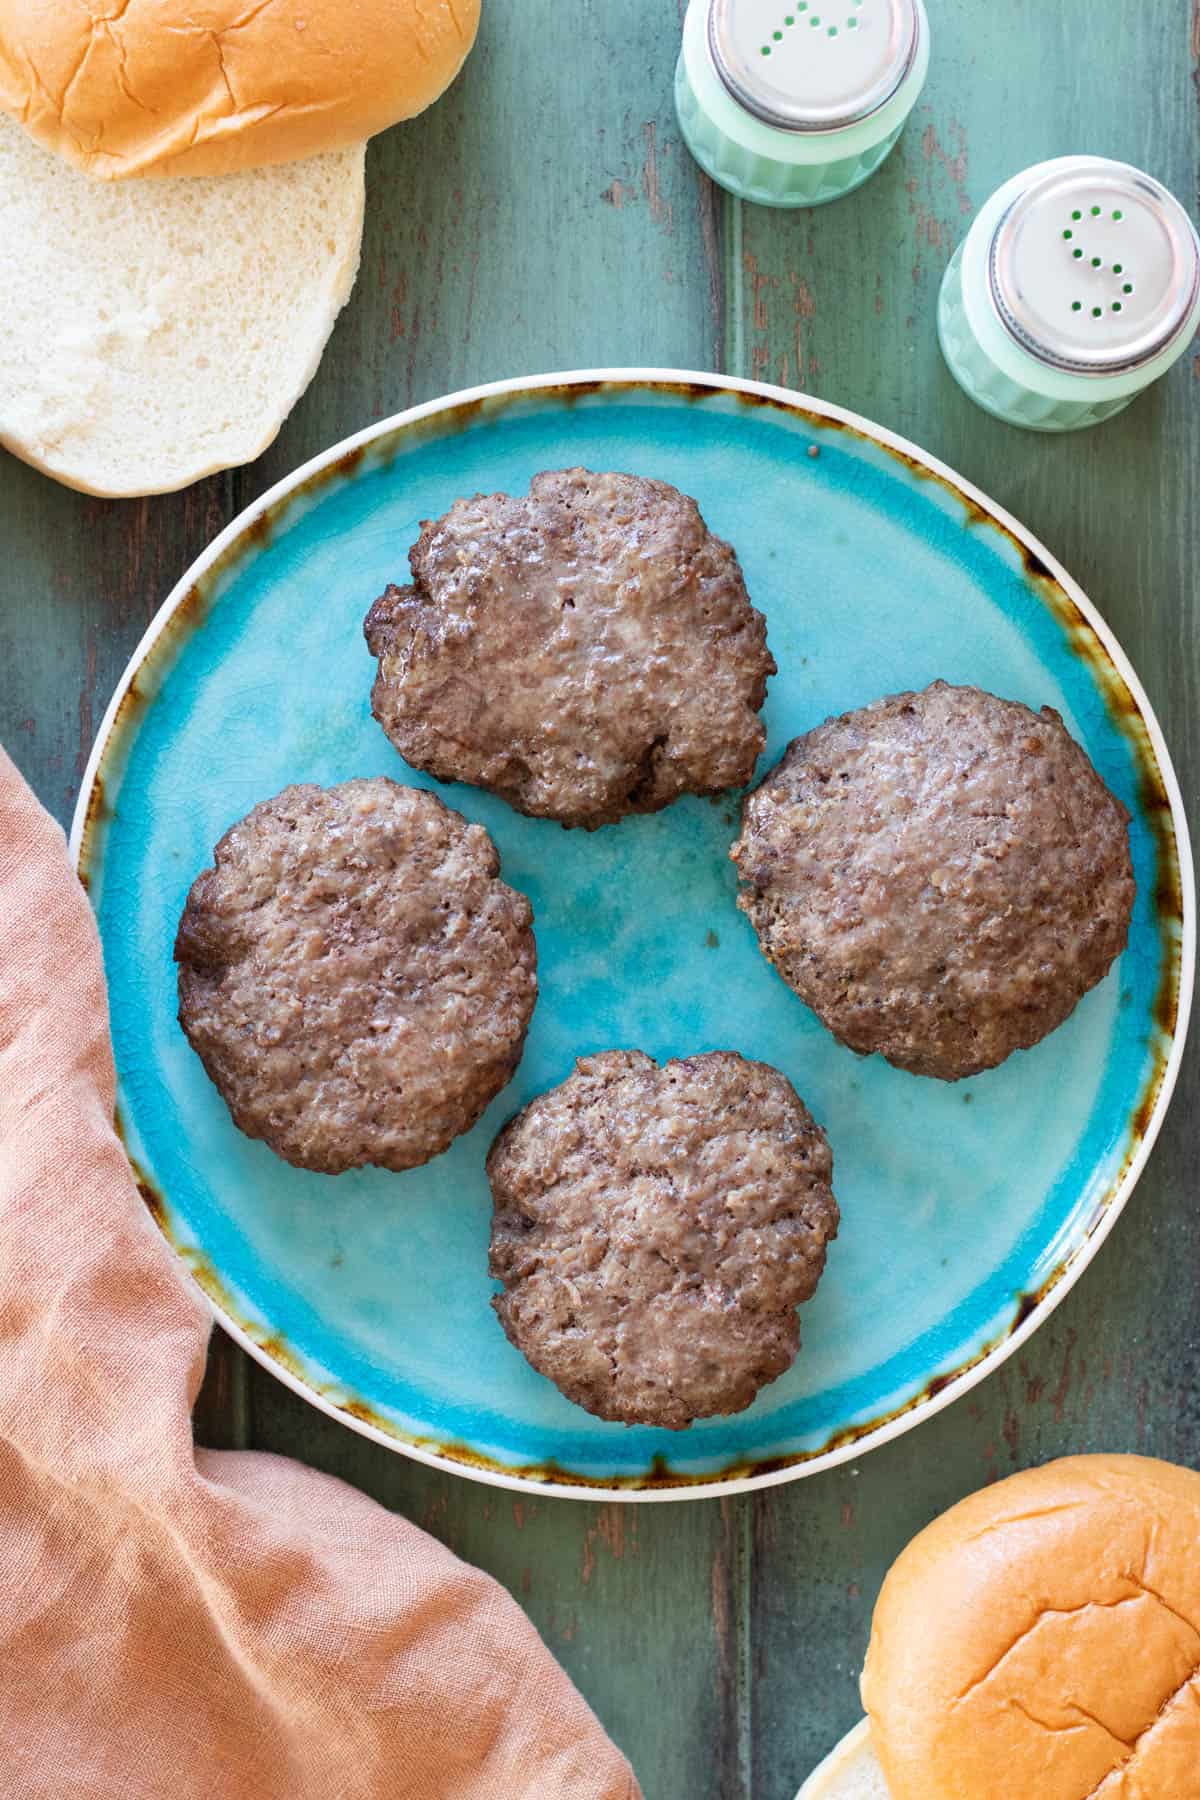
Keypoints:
(941, 876)
(586, 652)
(353, 975)
(655, 1229)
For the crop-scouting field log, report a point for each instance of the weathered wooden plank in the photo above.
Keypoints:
(221, 1415)
(843, 300)
(545, 216)
(82, 579)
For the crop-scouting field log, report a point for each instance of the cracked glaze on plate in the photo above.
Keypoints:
(967, 1210)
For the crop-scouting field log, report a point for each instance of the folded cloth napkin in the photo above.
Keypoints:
(185, 1623)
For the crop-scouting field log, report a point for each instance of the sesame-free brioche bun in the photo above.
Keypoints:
(1041, 1641)
(205, 87)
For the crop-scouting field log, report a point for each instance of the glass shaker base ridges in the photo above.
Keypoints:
(991, 388)
(759, 178)
(786, 104)
(1076, 287)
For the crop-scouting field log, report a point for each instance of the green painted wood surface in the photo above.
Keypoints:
(546, 216)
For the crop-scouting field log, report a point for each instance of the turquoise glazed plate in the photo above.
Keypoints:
(967, 1211)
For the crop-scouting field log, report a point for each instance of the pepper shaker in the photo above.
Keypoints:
(1077, 285)
(795, 102)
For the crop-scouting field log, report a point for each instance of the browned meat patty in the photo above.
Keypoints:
(587, 652)
(354, 977)
(655, 1229)
(940, 876)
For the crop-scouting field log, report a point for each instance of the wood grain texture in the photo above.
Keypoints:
(842, 301)
(546, 216)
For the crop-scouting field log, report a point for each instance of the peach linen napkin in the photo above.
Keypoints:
(179, 1622)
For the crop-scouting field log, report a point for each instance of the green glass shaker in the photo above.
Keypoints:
(1077, 285)
(794, 102)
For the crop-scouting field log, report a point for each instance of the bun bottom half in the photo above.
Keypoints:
(851, 1772)
(155, 332)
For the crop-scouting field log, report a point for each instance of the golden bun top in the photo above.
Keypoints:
(1041, 1641)
(205, 87)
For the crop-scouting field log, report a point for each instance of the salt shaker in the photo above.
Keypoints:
(794, 102)
(1077, 285)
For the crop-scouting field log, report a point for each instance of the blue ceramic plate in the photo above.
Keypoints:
(967, 1210)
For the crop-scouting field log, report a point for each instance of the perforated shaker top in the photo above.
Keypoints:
(1095, 267)
(813, 65)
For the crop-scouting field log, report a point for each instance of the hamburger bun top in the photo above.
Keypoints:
(1042, 1639)
(159, 87)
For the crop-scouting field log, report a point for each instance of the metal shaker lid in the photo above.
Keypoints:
(1095, 267)
(813, 65)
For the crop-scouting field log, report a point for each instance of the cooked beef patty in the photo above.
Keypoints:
(941, 876)
(655, 1229)
(353, 975)
(586, 652)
